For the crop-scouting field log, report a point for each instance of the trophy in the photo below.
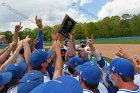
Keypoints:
(67, 26)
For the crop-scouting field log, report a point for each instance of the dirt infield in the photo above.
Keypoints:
(109, 50)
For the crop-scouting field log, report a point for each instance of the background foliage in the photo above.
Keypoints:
(109, 27)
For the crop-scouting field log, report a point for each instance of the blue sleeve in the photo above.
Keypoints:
(50, 70)
(40, 37)
(101, 62)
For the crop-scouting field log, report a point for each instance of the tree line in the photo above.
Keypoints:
(109, 27)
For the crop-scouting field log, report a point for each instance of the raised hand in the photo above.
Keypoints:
(89, 43)
(39, 22)
(54, 36)
(122, 53)
(56, 45)
(60, 37)
(71, 37)
(90, 40)
(18, 27)
(26, 41)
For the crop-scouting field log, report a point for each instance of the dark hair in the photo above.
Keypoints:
(71, 70)
(21, 51)
(127, 78)
(91, 86)
(37, 68)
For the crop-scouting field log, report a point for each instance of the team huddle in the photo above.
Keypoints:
(27, 67)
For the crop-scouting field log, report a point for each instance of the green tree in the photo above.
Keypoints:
(8, 36)
(47, 33)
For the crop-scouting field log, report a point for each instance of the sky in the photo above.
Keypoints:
(52, 12)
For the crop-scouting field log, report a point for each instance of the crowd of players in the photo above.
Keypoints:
(26, 67)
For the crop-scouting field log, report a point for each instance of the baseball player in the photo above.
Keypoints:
(121, 73)
(90, 78)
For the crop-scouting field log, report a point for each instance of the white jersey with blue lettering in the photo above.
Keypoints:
(129, 91)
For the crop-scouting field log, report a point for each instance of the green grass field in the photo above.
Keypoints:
(111, 42)
(107, 59)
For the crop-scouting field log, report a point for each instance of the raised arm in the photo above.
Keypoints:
(71, 48)
(4, 56)
(2, 51)
(17, 29)
(27, 51)
(58, 62)
(134, 59)
(40, 33)
(13, 57)
(95, 53)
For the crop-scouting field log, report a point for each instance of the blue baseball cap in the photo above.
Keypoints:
(89, 72)
(83, 41)
(23, 66)
(39, 56)
(16, 69)
(64, 84)
(121, 66)
(75, 61)
(5, 78)
(72, 83)
(30, 81)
